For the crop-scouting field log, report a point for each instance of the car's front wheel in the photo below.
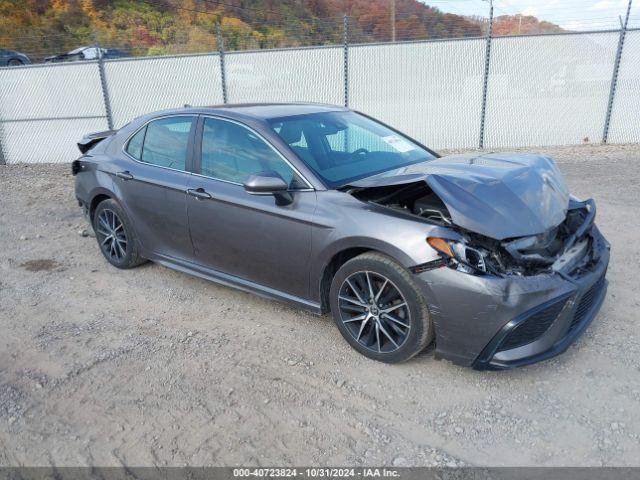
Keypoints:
(115, 235)
(379, 309)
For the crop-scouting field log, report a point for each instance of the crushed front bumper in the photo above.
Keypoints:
(490, 322)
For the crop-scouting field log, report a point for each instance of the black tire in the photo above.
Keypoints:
(14, 62)
(123, 253)
(409, 337)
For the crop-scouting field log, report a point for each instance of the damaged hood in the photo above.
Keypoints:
(498, 195)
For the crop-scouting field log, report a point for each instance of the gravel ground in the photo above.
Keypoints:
(153, 367)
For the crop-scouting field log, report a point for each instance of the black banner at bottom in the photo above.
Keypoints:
(411, 473)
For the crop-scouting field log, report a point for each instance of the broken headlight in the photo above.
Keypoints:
(462, 257)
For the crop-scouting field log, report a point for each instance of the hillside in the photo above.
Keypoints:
(522, 25)
(151, 27)
(154, 27)
(517, 25)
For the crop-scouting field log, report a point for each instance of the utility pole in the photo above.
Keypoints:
(393, 20)
(519, 23)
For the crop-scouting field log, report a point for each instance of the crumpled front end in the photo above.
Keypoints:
(521, 264)
(496, 322)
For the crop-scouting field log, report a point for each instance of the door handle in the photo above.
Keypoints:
(124, 175)
(199, 193)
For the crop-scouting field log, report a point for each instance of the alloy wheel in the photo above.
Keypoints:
(374, 311)
(111, 235)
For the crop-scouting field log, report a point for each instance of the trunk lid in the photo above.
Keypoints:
(92, 139)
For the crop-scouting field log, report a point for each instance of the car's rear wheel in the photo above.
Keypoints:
(14, 62)
(115, 235)
(379, 309)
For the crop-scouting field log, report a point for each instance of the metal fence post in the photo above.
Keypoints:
(3, 160)
(614, 78)
(346, 59)
(105, 88)
(485, 83)
(223, 76)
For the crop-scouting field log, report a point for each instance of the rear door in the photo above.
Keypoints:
(241, 234)
(153, 183)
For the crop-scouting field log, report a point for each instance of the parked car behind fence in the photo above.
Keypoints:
(86, 53)
(11, 58)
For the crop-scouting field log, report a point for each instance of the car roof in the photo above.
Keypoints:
(256, 111)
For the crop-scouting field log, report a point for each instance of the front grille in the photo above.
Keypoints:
(533, 327)
(586, 303)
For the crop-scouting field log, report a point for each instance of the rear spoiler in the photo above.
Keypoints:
(92, 139)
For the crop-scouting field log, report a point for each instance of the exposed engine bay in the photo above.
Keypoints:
(565, 247)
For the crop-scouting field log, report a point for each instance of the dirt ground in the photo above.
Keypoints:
(152, 367)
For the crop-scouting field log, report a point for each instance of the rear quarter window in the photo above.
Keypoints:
(134, 147)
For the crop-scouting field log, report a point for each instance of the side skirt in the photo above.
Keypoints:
(234, 282)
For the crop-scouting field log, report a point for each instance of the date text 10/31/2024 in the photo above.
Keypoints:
(316, 472)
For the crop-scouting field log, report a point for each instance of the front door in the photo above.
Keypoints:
(241, 234)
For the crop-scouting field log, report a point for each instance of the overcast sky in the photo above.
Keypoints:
(570, 14)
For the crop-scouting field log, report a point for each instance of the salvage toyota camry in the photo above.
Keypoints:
(486, 254)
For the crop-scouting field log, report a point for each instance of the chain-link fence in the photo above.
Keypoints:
(531, 90)
(44, 110)
(625, 116)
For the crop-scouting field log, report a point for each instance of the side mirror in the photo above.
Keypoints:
(269, 183)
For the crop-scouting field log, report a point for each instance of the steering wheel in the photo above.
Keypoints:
(360, 151)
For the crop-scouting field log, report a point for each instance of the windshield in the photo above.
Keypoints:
(341, 147)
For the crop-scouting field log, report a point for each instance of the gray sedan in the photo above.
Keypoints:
(487, 255)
